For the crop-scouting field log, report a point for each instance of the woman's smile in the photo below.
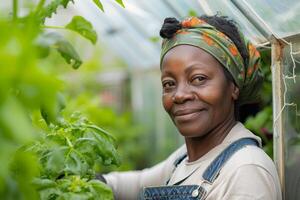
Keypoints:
(186, 115)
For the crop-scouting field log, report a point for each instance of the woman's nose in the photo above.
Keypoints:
(182, 94)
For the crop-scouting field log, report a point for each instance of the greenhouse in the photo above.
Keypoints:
(81, 99)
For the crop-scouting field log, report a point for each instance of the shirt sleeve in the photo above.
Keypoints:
(251, 182)
(127, 185)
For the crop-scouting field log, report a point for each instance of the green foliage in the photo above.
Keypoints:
(99, 5)
(68, 153)
(120, 2)
(130, 139)
(154, 39)
(262, 123)
(58, 42)
(61, 153)
(50, 9)
(83, 27)
(73, 187)
(192, 13)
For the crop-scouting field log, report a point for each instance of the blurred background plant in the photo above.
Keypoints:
(30, 111)
(260, 121)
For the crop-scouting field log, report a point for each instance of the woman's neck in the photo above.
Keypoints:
(199, 146)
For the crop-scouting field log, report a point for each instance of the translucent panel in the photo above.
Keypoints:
(227, 8)
(125, 32)
(282, 16)
(129, 31)
(289, 117)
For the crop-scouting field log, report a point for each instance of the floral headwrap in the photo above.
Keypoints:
(196, 32)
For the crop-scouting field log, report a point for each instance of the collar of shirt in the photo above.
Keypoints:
(196, 168)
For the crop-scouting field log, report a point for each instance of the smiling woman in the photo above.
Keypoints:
(198, 97)
(208, 69)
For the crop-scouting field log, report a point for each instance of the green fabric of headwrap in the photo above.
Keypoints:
(247, 76)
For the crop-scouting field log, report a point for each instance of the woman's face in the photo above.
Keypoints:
(196, 93)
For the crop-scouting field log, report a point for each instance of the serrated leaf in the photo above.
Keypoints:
(52, 8)
(120, 2)
(55, 162)
(102, 132)
(50, 193)
(64, 47)
(106, 150)
(41, 184)
(99, 4)
(83, 27)
(100, 189)
(75, 164)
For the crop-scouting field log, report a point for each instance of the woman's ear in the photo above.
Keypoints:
(235, 92)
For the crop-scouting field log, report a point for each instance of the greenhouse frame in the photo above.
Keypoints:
(131, 33)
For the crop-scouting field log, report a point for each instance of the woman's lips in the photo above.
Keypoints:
(186, 115)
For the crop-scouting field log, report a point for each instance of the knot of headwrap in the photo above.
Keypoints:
(247, 76)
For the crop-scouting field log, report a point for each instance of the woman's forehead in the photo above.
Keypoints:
(188, 55)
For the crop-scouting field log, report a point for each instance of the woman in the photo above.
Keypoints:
(207, 71)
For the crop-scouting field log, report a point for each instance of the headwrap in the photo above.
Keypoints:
(247, 76)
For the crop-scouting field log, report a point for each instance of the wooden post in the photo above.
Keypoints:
(278, 107)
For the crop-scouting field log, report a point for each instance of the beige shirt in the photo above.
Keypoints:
(248, 174)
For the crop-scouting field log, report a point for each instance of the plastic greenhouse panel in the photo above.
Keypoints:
(291, 121)
(280, 16)
(286, 115)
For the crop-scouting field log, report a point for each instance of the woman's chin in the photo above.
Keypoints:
(190, 132)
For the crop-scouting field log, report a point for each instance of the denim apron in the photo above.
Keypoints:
(193, 192)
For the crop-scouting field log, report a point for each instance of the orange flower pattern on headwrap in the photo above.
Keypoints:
(197, 32)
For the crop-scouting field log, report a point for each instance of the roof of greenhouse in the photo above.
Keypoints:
(133, 32)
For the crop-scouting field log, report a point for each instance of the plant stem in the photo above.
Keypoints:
(15, 10)
(40, 5)
(54, 27)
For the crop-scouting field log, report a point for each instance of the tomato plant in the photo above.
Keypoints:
(42, 154)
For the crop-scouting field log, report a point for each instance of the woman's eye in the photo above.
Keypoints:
(198, 79)
(168, 84)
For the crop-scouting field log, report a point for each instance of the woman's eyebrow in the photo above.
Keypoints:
(193, 67)
(166, 73)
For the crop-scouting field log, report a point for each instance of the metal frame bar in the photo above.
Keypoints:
(253, 17)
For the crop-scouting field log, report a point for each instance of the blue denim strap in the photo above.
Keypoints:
(213, 170)
(178, 192)
(193, 192)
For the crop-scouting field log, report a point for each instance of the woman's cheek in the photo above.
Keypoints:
(167, 102)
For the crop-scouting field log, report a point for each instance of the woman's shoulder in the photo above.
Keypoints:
(249, 172)
(251, 157)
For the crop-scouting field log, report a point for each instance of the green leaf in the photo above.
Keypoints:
(154, 39)
(51, 8)
(106, 150)
(64, 47)
(83, 27)
(75, 164)
(55, 162)
(120, 2)
(102, 132)
(41, 184)
(99, 4)
(98, 188)
(193, 13)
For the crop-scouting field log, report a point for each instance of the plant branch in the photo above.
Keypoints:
(54, 27)
(15, 10)
(40, 5)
